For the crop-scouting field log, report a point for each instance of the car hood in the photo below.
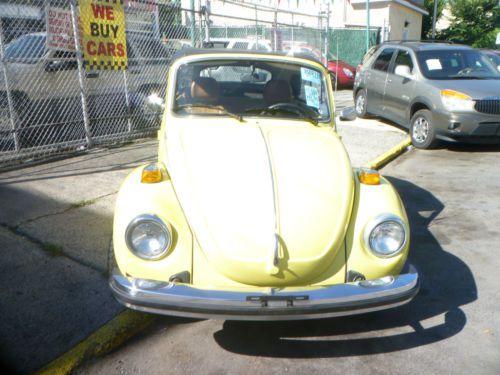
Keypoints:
(475, 88)
(268, 203)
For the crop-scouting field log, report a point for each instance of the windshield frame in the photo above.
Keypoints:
(426, 55)
(171, 102)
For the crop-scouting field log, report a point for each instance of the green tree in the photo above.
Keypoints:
(474, 22)
(427, 20)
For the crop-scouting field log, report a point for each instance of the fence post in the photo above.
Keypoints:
(256, 26)
(127, 102)
(327, 32)
(206, 13)
(79, 59)
(192, 24)
(7, 89)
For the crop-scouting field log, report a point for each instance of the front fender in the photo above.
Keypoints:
(136, 198)
(371, 201)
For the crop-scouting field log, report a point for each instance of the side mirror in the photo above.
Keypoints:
(403, 71)
(347, 114)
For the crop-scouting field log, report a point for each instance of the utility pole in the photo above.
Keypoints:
(367, 25)
(434, 19)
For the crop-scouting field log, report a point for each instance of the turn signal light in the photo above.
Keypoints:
(153, 173)
(369, 177)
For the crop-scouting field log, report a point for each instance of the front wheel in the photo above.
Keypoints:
(422, 131)
(361, 104)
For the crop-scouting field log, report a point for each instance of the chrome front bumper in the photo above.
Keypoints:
(279, 304)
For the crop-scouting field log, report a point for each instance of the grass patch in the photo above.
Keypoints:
(82, 203)
(53, 249)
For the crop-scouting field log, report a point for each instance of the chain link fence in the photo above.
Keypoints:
(50, 103)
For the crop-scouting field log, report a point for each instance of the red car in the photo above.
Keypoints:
(341, 71)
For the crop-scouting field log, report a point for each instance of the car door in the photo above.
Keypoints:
(376, 80)
(399, 90)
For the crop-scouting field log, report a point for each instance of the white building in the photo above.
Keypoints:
(397, 19)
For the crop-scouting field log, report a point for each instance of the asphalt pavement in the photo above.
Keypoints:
(55, 230)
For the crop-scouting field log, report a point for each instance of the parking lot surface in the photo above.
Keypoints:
(451, 327)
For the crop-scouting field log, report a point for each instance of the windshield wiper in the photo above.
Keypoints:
(471, 77)
(299, 113)
(217, 107)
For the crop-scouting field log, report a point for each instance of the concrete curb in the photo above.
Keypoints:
(389, 155)
(129, 322)
(106, 338)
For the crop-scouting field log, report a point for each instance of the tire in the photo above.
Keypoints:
(422, 130)
(360, 104)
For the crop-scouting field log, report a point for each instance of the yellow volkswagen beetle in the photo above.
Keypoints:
(253, 211)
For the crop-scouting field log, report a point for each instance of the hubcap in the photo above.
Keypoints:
(360, 103)
(420, 130)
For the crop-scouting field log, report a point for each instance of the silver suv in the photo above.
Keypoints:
(437, 90)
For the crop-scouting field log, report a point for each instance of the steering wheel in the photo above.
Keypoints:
(464, 71)
(292, 107)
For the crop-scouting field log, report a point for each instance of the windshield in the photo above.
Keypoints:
(456, 64)
(240, 88)
(28, 47)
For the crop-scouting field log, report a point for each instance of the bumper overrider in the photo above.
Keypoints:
(278, 304)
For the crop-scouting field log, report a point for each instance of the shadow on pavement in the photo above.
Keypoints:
(49, 303)
(446, 284)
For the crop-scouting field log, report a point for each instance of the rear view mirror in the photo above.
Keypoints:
(403, 71)
(347, 114)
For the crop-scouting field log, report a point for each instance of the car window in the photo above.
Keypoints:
(251, 88)
(383, 60)
(403, 57)
(456, 64)
(151, 50)
(369, 54)
(240, 45)
(262, 47)
(29, 48)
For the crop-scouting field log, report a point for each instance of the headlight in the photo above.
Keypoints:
(456, 101)
(148, 237)
(386, 236)
(347, 72)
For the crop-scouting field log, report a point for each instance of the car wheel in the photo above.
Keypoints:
(422, 130)
(112, 265)
(360, 104)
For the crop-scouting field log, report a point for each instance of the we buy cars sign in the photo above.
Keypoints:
(103, 34)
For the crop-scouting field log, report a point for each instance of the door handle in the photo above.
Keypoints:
(92, 75)
(389, 80)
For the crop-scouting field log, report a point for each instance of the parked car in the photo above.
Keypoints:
(340, 72)
(253, 210)
(439, 91)
(45, 90)
(239, 43)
